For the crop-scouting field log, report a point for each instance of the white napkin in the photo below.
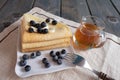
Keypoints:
(105, 59)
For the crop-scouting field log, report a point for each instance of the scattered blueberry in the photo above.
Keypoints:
(54, 22)
(30, 30)
(25, 57)
(22, 62)
(44, 60)
(60, 57)
(27, 68)
(32, 23)
(38, 53)
(43, 24)
(63, 51)
(52, 54)
(55, 58)
(59, 61)
(57, 53)
(47, 20)
(32, 55)
(47, 65)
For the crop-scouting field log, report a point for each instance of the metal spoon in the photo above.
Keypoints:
(80, 61)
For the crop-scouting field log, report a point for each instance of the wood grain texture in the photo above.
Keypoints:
(52, 6)
(74, 10)
(116, 3)
(14, 9)
(2, 3)
(106, 11)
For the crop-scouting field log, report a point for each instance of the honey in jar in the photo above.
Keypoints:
(87, 36)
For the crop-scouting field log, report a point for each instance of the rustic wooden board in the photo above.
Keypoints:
(116, 3)
(2, 3)
(74, 10)
(52, 6)
(106, 11)
(14, 9)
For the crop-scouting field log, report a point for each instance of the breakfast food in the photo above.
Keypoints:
(46, 62)
(56, 57)
(22, 62)
(36, 34)
(32, 55)
(38, 53)
(27, 68)
(25, 57)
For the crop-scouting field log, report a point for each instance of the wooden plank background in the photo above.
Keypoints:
(107, 10)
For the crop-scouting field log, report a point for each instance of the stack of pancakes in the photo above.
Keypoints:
(36, 41)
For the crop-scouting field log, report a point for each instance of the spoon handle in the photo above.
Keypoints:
(102, 75)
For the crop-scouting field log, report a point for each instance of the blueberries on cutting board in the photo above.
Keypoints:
(25, 57)
(27, 68)
(47, 65)
(32, 55)
(22, 62)
(60, 57)
(46, 62)
(57, 57)
(52, 54)
(38, 53)
(59, 61)
(63, 51)
(57, 53)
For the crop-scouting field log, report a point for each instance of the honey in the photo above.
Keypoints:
(87, 36)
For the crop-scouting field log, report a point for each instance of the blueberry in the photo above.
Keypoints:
(37, 25)
(30, 30)
(25, 57)
(55, 58)
(38, 53)
(63, 51)
(27, 68)
(47, 65)
(47, 20)
(32, 23)
(43, 24)
(57, 53)
(54, 22)
(59, 61)
(22, 62)
(45, 31)
(52, 54)
(39, 30)
(60, 57)
(32, 55)
(44, 60)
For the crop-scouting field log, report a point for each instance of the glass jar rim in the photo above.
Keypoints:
(94, 17)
